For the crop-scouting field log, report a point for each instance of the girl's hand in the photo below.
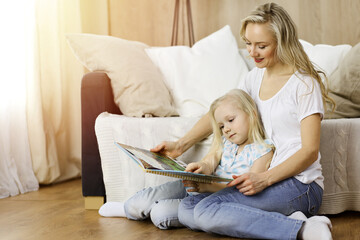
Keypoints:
(250, 183)
(198, 167)
(191, 186)
(171, 149)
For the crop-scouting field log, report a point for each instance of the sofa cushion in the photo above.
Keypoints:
(344, 84)
(196, 76)
(137, 84)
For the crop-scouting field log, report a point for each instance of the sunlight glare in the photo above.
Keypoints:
(17, 41)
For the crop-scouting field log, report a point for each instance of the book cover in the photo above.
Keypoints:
(160, 164)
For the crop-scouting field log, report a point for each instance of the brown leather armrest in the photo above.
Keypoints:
(96, 97)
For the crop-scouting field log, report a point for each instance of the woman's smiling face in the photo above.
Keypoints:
(261, 44)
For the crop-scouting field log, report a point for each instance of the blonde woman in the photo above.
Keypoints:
(290, 97)
(238, 142)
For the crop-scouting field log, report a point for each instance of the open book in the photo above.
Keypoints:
(156, 163)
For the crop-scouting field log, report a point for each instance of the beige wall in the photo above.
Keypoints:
(318, 21)
(150, 21)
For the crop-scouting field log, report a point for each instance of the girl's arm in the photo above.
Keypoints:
(262, 164)
(198, 132)
(251, 183)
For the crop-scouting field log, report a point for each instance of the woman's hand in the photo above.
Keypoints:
(171, 149)
(250, 183)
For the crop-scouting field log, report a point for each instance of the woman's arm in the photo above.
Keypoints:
(302, 159)
(198, 132)
(252, 183)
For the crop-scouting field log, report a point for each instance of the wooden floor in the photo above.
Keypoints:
(57, 212)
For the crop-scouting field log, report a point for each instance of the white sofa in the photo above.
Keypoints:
(340, 138)
(339, 149)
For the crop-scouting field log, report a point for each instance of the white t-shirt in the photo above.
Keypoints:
(281, 115)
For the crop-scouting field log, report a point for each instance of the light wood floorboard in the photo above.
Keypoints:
(57, 212)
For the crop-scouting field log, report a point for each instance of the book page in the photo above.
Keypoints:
(156, 160)
(144, 157)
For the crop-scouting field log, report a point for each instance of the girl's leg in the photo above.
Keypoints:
(139, 206)
(229, 212)
(164, 214)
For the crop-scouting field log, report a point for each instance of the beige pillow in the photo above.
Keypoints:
(137, 84)
(344, 84)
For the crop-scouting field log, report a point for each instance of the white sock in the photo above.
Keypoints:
(112, 209)
(317, 228)
(298, 216)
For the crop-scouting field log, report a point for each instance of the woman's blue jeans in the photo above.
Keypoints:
(261, 216)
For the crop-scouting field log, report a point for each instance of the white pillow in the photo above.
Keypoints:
(327, 57)
(250, 63)
(196, 76)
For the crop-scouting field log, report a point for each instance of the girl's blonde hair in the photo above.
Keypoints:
(242, 101)
(289, 49)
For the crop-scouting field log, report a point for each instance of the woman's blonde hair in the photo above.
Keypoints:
(242, 101)
(289, 49)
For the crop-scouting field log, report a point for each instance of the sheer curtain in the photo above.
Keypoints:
(40, 125)
(39, 95)
(53, 98)
(16, 174)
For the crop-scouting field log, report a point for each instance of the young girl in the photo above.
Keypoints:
(290, 96)
(239, 143)
(238, 140)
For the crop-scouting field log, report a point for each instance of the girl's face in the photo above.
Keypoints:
(260, 44)
(233, 122)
